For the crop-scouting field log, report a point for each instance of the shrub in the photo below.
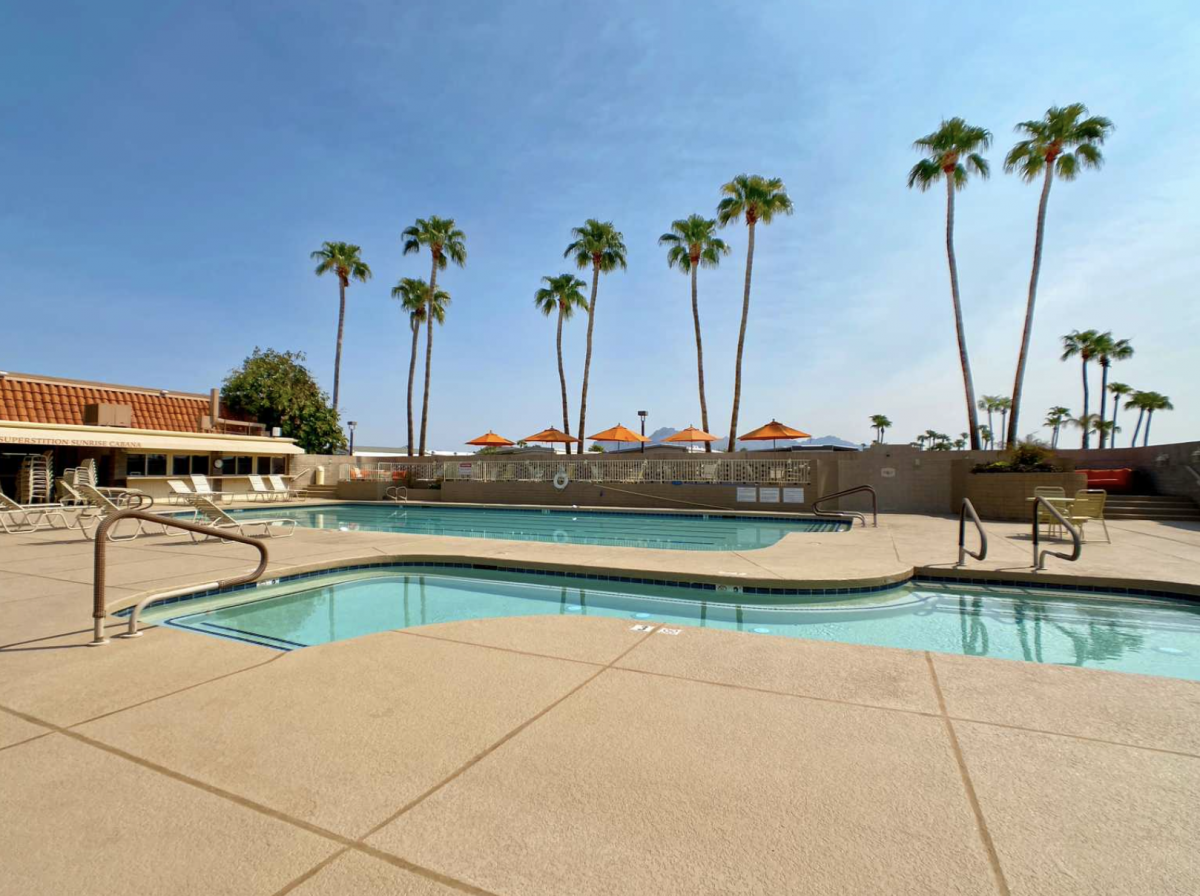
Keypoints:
(1024, 457)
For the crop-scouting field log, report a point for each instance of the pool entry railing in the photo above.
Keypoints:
(396, 493)
(851, 513)
(1039, 560)
(963, 550)
(99, 577)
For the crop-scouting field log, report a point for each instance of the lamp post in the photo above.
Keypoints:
(643, 415)
(352, 424)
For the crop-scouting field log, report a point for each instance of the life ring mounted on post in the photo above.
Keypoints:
(561, 479)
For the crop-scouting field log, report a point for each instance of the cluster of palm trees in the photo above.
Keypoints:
(1059, 144)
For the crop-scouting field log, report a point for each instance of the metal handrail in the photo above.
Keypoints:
(1039, 562)
(393, 492)
(100, 606)
(963, 551)
(849, 491)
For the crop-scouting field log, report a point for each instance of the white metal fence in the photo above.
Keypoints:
(749, 472)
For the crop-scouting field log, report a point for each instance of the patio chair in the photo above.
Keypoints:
(1044, 517)
(102, 507)
(201, 486)
(1087, 506)
(259, 490)
(282, 489)
(179, 491)
(16, 517)
(217, 518)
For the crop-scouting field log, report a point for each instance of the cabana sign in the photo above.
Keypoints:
(59, 440)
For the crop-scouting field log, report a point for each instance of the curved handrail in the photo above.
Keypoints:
(963, 550)
(393, 492)
(849, 491)
(1039, 562)
(100, 606)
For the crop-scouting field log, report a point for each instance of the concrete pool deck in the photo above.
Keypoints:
(556, 755)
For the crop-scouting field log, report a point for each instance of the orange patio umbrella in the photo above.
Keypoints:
(618, 433)
(773, 430)
(490, 440)
(691, 434)
(550, 435)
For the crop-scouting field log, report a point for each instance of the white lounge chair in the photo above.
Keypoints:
(217, 518)
(201, 486)
(284, 491)
(260, 491)
(179, 491)
(103, 507)
(16, 517)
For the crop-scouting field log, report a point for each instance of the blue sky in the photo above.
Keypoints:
(168, 167)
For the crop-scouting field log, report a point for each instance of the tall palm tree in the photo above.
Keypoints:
(1057, 416)
(951, 152)
(1004, 405)
(561, 295)
(413, 295)
(990, 404)
(1138, 401)
(986, 435)
(343, 259)
(880, 423)
(1118, 391)
(1064, 140)
(1105, 428)
(1083, 343)
(1107, 351)
(693, 243)
(445, 242)
(758, 200)
(1155, 402)
(1086, 423)
(599, 245)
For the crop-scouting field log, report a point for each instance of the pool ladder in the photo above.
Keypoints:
(396, 493)
(100, 575)
(1039, 560)
(963, 551)
(842, 514)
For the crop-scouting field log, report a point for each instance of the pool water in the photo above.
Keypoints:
(677, 532)
(1151, 636)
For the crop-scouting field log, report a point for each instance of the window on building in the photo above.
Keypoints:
(263, 466)
(146, 465)
(183, 464)
(278, 465)
(241, 465)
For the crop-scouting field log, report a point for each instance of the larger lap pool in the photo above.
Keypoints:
(670, 531)
(1118, 632)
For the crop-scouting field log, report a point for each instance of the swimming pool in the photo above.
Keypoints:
(667, 531)
(1151, 636)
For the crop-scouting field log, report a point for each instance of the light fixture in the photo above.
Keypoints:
(352, 424)
(643, 415)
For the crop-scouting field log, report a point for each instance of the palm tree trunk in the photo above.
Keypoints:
(1146, 434)
(1086, 429)
(412, 375)
(699, 356)
(1103, 400)
(1054, 436)
(587, 357)
(1003, 426)
(1137, 429)
(337, 358)
(1116, 407)
(991, 431)
(968, 382)
(428, 350)
(1027, 334)
(562, 378)
(737, 369)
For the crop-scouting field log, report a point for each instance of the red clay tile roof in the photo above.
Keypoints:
(38, 401)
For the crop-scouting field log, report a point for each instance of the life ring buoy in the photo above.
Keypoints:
(561, 479)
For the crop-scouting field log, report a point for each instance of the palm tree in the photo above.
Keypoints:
(991, 404)
(445, 243)
(343, 260)
(1055, 419)
(961, 442)
(1105, 428)
(1047, 150)
(413, 294)
(1154, 402)
(756, 199)
(693, 243)
(1085, 423)
(600, 245)
(1118, 391)
(952, 151)
(880, 423)
(1004, 405)
(1109, 350)
(986, 435)
(1084, 344)
(1140, 401)
(561, 295)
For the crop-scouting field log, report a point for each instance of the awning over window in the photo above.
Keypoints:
(141, 439)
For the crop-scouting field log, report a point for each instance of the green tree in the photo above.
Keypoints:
(693, 244)
(1118, 391)
(986, 435)
(276, 389)
(990, 404)
(757, 200)
(445, 243)
(1139, 401)
(1084, 344)
(343, 260)
(1107, 351)
(413, 295)
(1055, 419)
(600, 246)
(562, 295)
(1004, 405)
(880, 423)
(952, 151)
(1154, 401)
(1064, 140)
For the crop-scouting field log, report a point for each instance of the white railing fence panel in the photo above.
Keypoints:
(732, 472)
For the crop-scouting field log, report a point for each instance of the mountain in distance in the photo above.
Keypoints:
(659, 436)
